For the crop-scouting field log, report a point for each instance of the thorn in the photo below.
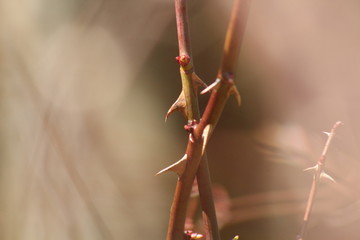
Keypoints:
(178, 167)
(234, 91)
(324, 175)
(191, 138)
(205, 135)
(314, 168)
(236, 237)
(197, 81)
(209, 88)
(327, 133)
(179, 105)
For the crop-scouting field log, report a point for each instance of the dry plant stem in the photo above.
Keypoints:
(182, 192)
(234, 35)
(221, 90)
(177, 218)
(211, 229)
(319, 173)
(186, 70)
(190, 215)
(194, 152)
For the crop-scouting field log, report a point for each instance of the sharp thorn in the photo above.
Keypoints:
(210, 87)
(179, 105)
(197, 81)
(236, 93)
(324, 175)
(314, 168)
(178, 167)
(205, 135)
(191, 138)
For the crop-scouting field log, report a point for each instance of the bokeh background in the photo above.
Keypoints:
(85, 85)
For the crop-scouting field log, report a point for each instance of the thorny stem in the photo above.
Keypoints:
(319, 173)
(177, 218)
(185, 60)
(200, 133)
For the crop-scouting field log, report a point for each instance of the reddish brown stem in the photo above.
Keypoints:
(319, 173)
(211, 229)
(177, 218)
(182, 28)
(182, 192)
(198, 136)
(192, 112)
(234, 36)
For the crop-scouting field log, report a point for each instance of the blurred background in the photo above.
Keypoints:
(85, 85)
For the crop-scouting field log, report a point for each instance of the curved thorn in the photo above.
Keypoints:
(178, 167)
(314, 168)
(324, 175)
(206, 133)
(327, 133)
(179, 105)
(197, 81)
(210, 87)
(236, 93)
(191, 138)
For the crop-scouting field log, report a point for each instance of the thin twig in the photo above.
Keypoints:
(234, 35)
(319, 174)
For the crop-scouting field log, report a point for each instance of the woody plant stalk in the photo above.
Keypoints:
(194, 163)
